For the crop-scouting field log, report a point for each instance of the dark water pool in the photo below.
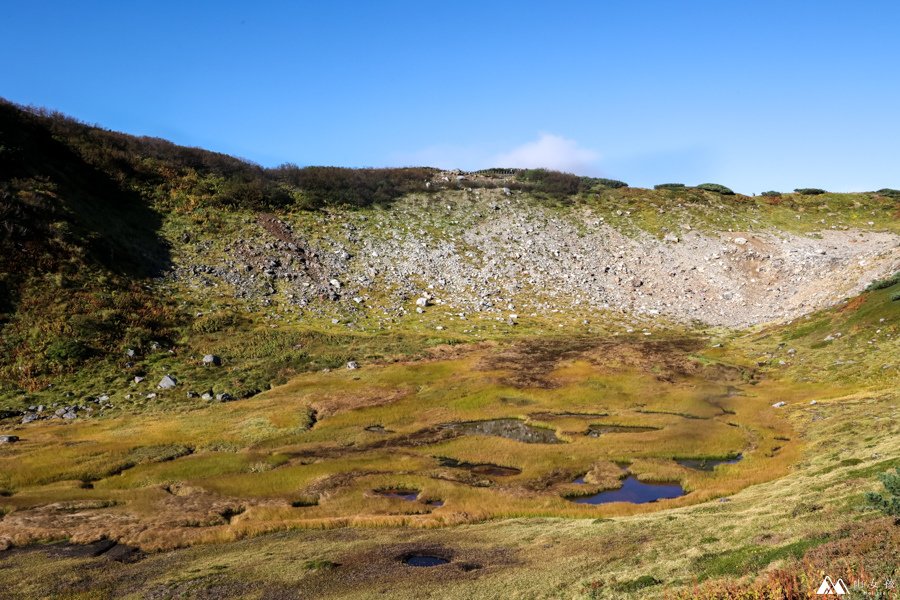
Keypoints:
(488, 469)
(632, 490)
(511, 429)
(424, 560)
(402, 494)
(707, 464)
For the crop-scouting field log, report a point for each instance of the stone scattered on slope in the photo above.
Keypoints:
(167, 382)
(212, 360)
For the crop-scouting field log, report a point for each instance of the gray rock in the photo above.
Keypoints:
(138, 379)
(207, 395)
(69, 415)
(352, 365)
(779, 404)
(193, 394)
(29, 417)
(212, 359)
(130, 353)
(8, 439)
(224, 397)
(167, 383)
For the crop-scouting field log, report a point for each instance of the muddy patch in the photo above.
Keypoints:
(530, 362)
(484, 469)
(511, 429)
(109, 549)
(597, 429)
(377, 429)
(707, 464)
(408, 494)
(633, 491)
(672, 413)
(552, 416)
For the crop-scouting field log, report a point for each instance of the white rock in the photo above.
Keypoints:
(779, 404)
(167, 383)
(740, 241)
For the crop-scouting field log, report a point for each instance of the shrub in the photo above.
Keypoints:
(771, 194)
(324, 186)
(67, 351)
(555, 184)
(882, 284)
(890, 193)
(669, 186)
(214, 322)
(609, 183)
(895, 297)
(889, 502)
(715, 187)
(644, 581)
(810, 191)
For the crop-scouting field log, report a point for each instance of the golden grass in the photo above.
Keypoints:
(258, 452)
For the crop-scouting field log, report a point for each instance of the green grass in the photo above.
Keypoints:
(750, 559)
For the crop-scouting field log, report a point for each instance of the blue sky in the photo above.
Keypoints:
(756, 95)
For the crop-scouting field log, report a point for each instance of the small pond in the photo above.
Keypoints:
(511, 429)
(633, 491)
(424, 560)
(707, 464)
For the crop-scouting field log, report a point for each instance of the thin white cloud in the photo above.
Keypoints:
(549, 151)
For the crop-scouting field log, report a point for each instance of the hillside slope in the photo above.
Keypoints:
(115, 243)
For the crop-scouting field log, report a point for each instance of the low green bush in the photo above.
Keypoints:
(644, 581)
(67, 351)
(609, 183)
(810, 191)
(669, 186)
(771, 194)
(889, 502)
(715, 187)
(890, 193)
(882, 284)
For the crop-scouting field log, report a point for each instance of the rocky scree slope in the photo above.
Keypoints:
(487, 252)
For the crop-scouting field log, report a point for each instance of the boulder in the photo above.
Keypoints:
(167, 383)
(779, 404)
(207, 395)
(352, 364)
(8, 439)
(212, 359)
(224, 397)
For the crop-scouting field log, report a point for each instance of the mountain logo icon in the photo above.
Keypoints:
(832, 588)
